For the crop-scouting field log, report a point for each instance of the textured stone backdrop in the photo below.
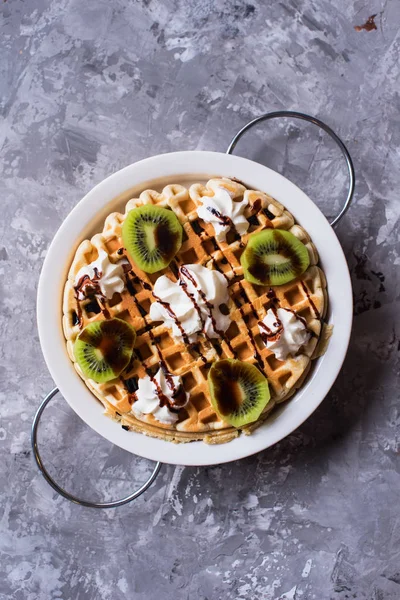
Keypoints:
(87, 87)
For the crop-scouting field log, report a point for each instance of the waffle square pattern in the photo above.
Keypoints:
(216, 247)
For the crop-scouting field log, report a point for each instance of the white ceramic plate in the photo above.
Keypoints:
(86, 219)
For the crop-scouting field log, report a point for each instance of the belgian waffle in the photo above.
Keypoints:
(247, 305)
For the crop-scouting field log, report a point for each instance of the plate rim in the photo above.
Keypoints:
(52, 278)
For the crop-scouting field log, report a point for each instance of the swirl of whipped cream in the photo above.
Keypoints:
(222, 211)
(155, 395)
(191, 305)
(101, 274)
(283, 332)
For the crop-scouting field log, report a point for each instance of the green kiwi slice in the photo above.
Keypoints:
(152, 236)
(274, 257)
(104, 349)
(239, 391)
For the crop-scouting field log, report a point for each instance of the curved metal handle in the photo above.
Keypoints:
(298, 115)
(61, 490)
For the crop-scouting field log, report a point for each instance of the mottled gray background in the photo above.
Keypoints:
(88, 86)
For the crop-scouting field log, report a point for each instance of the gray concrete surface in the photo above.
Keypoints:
(87, 87)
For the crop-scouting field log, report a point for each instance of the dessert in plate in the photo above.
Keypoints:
(195, 312)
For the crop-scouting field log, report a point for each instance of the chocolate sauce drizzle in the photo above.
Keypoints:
(172, 314)
(267, 335)
(227, 222)
(198, 229)
(169, 310)
(178, 394)
(257, 208)
(102, 303)
(315, 309)
(223, 219)
(198, 310)
(185, 272)
(245, 299)
(79, 314)
(131, 389)
(90, 288)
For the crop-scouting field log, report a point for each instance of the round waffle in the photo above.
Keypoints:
(248, 304)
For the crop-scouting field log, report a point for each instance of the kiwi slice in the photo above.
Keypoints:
(239, 391)
(152, 236)
(103, 349)
(274, 257)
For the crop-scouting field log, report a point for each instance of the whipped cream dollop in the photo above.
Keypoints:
(222, 211)
(191, 305)
(102, 275)
(157, 395)
(283, 332)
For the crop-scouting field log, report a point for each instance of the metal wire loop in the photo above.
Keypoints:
(61, 490)
(318, 123)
